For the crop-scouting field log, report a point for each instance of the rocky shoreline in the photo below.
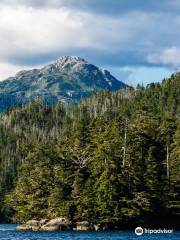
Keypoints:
(57, 224)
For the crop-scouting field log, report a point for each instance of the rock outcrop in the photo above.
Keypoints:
(57, 224)
(83, 226)
(33, 225)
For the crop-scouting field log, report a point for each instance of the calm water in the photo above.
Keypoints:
(7, 232)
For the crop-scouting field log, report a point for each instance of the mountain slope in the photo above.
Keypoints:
(67, 79)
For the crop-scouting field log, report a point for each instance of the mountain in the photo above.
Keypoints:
(70, 78)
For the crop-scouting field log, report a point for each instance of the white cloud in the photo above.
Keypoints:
(27, 30)
(169, 56)
(33, 3)
(7, 70)
(31, 32)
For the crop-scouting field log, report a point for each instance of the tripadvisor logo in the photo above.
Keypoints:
(139, 231)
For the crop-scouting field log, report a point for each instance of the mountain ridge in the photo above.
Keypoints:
(68, 79)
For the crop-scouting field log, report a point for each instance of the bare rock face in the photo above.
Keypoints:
(52, 228)
(43, 221)
(33, 223)
(83, 226)
(57, 221)
(57, 224)
(23, 228)
(97, 227)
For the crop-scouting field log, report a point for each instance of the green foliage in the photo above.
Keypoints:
(112, 159)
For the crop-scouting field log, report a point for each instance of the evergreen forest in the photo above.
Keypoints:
(112, 159)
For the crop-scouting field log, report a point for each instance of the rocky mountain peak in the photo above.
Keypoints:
(69, 61)
(65, 62)
(68, 79)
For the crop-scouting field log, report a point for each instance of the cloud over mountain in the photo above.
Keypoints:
(109, 33)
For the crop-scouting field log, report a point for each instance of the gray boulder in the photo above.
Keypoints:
(33, 225)
(57, 224)
(24, 227)
(43, 222)
(83, 226)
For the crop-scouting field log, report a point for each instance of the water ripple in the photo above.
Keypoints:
(7, 232)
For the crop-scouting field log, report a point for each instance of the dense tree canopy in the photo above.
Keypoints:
(112, 159)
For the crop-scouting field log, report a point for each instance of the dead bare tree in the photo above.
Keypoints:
(81, 158)
(125, 143)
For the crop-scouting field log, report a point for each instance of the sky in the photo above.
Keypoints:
(137, 41)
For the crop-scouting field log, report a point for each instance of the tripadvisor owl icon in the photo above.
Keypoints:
(139, 231)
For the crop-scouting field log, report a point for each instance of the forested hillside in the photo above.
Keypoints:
(112, 159)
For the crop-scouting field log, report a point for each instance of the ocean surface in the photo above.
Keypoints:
(7, 232)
